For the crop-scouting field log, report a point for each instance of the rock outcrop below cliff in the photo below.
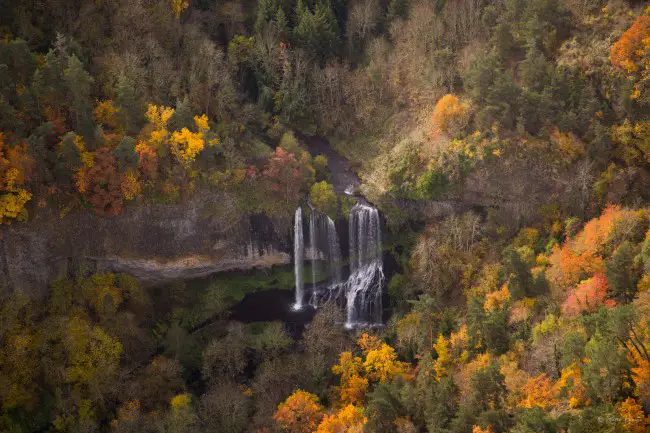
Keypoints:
(154, 242)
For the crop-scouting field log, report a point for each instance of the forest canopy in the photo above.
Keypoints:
(506, 144)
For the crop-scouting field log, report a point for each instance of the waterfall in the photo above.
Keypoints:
(325, 248)
(334, 252)
(298, 257)
(312, 245)
(364, 286)
(361, 291)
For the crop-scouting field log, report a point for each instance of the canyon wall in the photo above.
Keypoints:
(156, 243)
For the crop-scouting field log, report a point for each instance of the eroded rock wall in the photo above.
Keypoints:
(154, 242)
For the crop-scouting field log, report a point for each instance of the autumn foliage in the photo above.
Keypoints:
(450, 114)
(104, 190)
(15, 167)
(625, 53)
(634, 420)
(497, 300)
(350, 419)
(284, 175)
(589, 295)
(380, 365)
(538, 392)
(570, 386)
(582, 256)
(631, 54)
(353, 386)
(301, 412)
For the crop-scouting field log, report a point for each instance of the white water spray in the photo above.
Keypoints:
(334, 252)
(312, 246)
(361, 291)
(298, 257)
(364, 286)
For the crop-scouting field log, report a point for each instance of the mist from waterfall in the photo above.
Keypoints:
(364, 286)
(361, 292)
(298, 257)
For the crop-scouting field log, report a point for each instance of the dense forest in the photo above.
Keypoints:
(506, 144)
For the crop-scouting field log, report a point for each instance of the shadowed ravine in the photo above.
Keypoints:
(341, 175)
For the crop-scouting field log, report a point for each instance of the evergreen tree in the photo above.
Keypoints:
(535, 70)
(281, 24)
(535, 420)
(48, 81)
(41, 144)
(266, 13)
(495, 331)
(317, 31)
(521, 283)
(441, 404)
(183, 116)
(606, 369)
(129, 102)
(125, 154)
(79, 83)
(622, 273)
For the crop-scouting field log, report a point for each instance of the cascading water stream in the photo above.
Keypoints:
(364, 286)
(298, 257)
(361, 291)
(312, 245)
(334, 252)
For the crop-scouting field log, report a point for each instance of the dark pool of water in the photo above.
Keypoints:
(272, 305)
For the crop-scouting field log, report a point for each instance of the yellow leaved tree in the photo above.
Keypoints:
(350, 419)
(381, 364)
(570, 385)
(186, 145)
(15, 167)
(353, 387)
(178, 6)
(444, 360)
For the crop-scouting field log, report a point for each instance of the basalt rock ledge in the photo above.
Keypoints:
(156, 243)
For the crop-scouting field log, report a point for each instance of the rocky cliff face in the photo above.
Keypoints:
(155, 243)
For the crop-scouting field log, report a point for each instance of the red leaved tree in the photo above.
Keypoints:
(104, 184)
(284, 175)
(589, 295)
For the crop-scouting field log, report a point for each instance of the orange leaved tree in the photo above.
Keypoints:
(538, 392)
(627, 52)
(450, 114)
(631, 55)
(634, 420)
(301, 412)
